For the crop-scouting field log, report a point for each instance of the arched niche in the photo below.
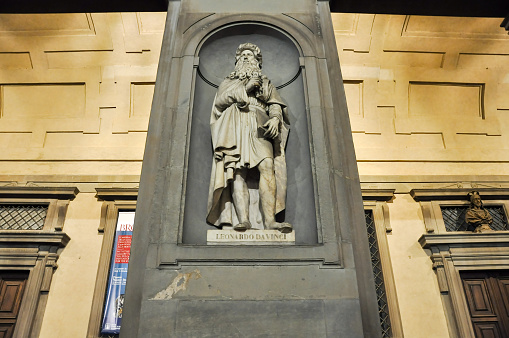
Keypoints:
(281, 64)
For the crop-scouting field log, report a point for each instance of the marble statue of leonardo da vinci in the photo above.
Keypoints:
(249, 126)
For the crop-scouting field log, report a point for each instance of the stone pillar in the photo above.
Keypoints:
(177, 284)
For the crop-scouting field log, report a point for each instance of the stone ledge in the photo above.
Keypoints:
(35, 237)
(63, 193)
(461, 238)
(457, 194)
(112, 194)
(383, 195)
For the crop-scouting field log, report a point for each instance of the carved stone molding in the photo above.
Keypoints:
(376, 201)
(432, 201)
(114, 200)
(36, 252)
(455, 252)
(113, 194)
(384, 195)
(456, 194)
(438, 266)
(453, 240)
(63, 193)
(56, 198)
(34, 238)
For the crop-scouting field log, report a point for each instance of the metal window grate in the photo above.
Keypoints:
(22, 217)
(383, 308)
(454, 218)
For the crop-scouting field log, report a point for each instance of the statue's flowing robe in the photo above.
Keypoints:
(237, 139)
(478, 216)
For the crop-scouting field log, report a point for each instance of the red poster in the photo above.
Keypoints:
(113, 308)
(123, 249)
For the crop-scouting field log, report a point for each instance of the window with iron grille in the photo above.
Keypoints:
(22, 216)
(383, 307)
(35, 216)
(454, 217)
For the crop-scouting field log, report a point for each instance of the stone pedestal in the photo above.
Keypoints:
(315, 281)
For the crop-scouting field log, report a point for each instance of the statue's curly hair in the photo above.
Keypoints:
(252, 47)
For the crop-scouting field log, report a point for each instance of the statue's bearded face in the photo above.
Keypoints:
(247, 64)
(247, 56)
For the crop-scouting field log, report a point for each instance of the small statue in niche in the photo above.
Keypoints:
(477, 217)
(249, 126)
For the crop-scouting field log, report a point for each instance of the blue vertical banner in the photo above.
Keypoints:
(118, 273)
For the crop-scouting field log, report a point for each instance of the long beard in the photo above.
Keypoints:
(246, 70)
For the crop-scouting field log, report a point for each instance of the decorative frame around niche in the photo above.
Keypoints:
(329, 201)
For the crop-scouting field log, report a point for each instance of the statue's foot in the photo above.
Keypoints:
(281, 227)
(285, 228)
(483, 228)
(242, 226)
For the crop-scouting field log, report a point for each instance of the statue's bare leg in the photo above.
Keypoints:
(268, 196)
(240, 196)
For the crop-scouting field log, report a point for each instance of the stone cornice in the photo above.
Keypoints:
(457, 194)
(62, 193)
(114, 194)
(33, 237)
(465, 239)
(382, 195)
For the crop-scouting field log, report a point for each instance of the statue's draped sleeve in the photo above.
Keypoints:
(224, 121)
(478, 216)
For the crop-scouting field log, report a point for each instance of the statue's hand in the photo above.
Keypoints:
(271, 128)
(242, 105)
(254, 83)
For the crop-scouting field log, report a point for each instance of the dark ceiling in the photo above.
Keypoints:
(478, 8)
(472, 8)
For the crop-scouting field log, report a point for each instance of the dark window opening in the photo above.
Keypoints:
(383, 307)
(454, 218)
(22, 216)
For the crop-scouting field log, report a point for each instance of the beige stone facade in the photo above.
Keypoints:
(76, 91)
(428, 105)
(427, 98)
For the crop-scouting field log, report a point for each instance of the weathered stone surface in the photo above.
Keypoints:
(269, 318)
